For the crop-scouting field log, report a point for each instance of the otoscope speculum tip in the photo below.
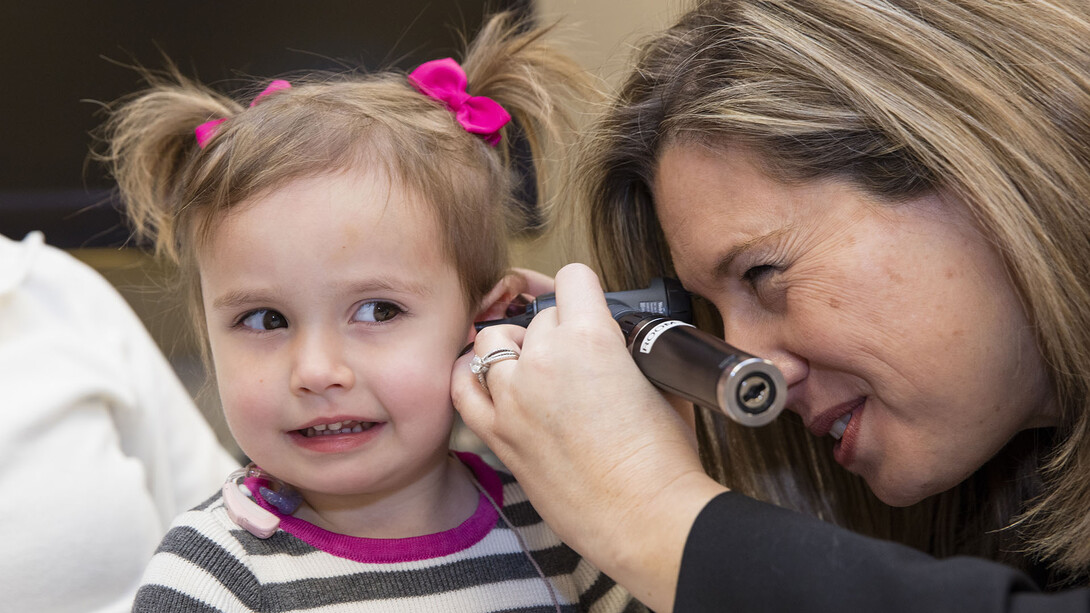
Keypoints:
(756, 393)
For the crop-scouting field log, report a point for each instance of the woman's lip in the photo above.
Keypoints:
(845, 449)
(825, 421)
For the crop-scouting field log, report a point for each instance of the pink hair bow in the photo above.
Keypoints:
(445, 81)
(207, 130)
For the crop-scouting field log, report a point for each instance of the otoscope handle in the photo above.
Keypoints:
(663, 296)
(680, 358)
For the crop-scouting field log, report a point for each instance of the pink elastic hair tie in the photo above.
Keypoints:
(445, 81)
(207, 130)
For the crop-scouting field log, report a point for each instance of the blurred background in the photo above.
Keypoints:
(60, 60)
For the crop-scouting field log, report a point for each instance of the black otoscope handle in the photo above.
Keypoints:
(663, 296)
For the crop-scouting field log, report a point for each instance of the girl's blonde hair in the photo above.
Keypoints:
(174, 192)
(983, 100)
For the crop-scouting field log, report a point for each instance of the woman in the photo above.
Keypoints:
(887, 199)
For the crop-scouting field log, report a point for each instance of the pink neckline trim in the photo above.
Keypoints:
(387, 551)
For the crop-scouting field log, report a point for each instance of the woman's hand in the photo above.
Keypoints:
(533, 282)
(609, 464)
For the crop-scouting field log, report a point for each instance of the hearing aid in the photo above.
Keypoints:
(244, 511)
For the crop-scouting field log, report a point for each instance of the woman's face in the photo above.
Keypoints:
(896, 325)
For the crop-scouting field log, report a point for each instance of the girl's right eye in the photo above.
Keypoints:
(263, 319)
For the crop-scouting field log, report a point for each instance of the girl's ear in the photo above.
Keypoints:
(495, 302)
(518, 287)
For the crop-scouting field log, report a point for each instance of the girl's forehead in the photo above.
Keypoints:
(348, 211)
(325, 236)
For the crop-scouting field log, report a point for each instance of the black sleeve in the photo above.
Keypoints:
(744, 555)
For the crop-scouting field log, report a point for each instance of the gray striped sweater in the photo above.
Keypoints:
(207, 563)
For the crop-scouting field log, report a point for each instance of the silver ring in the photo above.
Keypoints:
(479, 366)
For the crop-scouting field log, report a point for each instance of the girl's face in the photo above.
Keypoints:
(330, 308)
(895, 325)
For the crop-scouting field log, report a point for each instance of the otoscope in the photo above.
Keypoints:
(679, 358)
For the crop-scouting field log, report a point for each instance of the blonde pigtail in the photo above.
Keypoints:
(512, 63)
(150, 150)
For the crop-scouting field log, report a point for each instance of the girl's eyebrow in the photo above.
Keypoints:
(400, 286)
(237, 298)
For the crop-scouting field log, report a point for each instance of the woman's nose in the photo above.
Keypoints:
(768, 342)
(319, 364)
(793, 366)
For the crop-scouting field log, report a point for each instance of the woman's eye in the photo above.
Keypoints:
(756, 274)
(377, 311)
(264, 319)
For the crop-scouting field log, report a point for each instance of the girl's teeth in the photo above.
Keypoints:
(340, 427)
(839, 426)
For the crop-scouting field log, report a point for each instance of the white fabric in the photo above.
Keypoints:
(100, 447)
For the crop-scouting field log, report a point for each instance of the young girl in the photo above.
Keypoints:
(341, 234)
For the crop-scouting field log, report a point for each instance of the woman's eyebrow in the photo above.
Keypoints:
(723, 264)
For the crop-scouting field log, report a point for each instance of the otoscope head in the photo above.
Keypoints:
(702, 368)
(750, 392)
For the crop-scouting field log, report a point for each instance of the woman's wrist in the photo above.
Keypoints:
(646, 547)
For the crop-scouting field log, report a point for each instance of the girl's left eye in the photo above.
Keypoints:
(377, 311)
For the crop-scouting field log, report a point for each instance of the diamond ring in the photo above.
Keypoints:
(479, 366)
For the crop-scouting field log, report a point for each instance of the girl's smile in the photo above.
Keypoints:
(337, 436)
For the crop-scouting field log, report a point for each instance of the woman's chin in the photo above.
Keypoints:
(900, 493)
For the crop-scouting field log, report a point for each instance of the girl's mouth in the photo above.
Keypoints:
(339, 427)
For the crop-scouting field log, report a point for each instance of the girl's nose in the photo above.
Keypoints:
(319, 365)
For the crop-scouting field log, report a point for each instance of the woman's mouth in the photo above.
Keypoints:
(840, 425)
(846, 431)
(840, 415)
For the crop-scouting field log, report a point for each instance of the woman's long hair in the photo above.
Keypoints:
(986, 101)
